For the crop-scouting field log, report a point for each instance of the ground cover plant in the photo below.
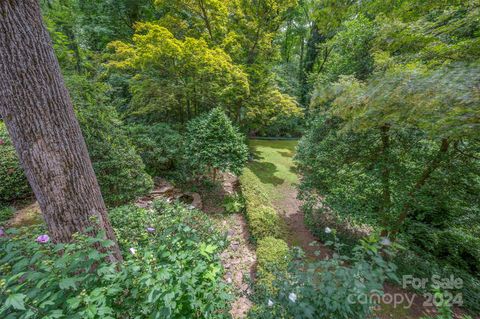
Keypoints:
(170, 269)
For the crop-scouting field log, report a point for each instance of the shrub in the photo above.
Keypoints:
(329, 288)
(273, 256)
(119, 169)
(444, 308)
(233, 203)
(213, 143)
(262, 218)
(417, 262)
(6, 213)
(173, 271)
(159, 145)
(273, 113)
(13, 183)
(283, 126)
(252, 190)
(264, 222)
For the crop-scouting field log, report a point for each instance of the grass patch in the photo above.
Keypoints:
(273, 164)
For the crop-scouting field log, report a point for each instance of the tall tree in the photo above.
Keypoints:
(38, 113)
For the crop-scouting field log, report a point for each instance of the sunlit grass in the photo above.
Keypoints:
(273, 164)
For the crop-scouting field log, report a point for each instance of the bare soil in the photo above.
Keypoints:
(239, 259)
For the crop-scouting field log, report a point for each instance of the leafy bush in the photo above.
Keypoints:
(6, 213)
(283, 126)
(264, 222)
(452, 246)
(159, 145)
(213, 143)
(170, 270)
(262, 218)
(234, 203)
(273, 256)
(252, 190)
(331, 288)
(417, 262)
(13, 183)
(444, 308)
(119, 169)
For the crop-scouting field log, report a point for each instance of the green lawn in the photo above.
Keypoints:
(273, 164)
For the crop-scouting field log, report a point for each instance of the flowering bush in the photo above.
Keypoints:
(171, 269)
(337, 287)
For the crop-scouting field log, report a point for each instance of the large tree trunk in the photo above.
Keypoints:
(38, 113)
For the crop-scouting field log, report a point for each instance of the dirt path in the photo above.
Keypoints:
(239, 262)
(239, 258)
(298, 234)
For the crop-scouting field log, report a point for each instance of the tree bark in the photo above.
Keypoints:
(38, 113)
(429, 169)
(385, 173)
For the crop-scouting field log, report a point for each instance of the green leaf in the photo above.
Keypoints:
(17, 301)
(67, 283)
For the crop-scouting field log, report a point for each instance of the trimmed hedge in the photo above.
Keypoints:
(273, 256)
(262, 218)
(266, 227)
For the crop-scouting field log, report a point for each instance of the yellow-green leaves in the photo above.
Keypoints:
(180, 76)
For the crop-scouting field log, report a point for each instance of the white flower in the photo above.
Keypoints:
(133, 251)
(292, 297)
(327, 230)
(270, 303)
(385, 241)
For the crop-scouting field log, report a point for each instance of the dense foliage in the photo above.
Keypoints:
(392, 144)
(118, 167)
(13, 184)
(328, 288)
(262, 217)
(160, 146)
(213, 144)
(171, 269)
(384, 93)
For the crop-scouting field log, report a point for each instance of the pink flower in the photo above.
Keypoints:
(43, 239)
(2, 232)
(150, 229)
